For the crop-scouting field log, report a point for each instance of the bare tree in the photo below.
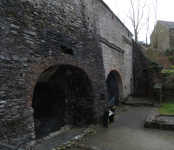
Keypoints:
(155, 33)
(136, 14)
(155, 7)
(147, 22)
(117, 8)
(155, 36)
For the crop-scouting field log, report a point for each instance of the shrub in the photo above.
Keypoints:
(170, 58)
(154, 65)
(160, 53)
(167, 72)
(169, 51)
(167, 76)
(163, 60)
(172, 67)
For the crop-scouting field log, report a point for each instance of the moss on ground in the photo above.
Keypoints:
(167, 108)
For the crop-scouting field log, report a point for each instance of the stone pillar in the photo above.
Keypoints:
(157, 94)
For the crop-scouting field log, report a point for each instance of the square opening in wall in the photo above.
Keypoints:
(102, 97)
(66, 50)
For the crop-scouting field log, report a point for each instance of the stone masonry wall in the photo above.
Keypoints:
(160, 35)
(32, 34)
(167, 93)
(117, 51)
(142, 83)
(29, 30)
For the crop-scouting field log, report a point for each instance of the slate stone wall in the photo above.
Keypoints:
(116, 46)
(142, 83)
(35, 35)
(167, 93)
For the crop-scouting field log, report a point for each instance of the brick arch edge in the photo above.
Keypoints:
(41, 65)
(116, 69)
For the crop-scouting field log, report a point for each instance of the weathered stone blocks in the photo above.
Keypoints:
(142, 79)
(30, 29)
(152, 121)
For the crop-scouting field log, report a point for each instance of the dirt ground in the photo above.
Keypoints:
(128, 133)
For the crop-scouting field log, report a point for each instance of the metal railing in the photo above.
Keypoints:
(9, 147)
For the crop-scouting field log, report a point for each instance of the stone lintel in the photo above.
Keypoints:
(127, 41)
(111, 45)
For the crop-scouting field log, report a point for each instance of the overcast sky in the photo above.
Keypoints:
(165, 12)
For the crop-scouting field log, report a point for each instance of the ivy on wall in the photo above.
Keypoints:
(154, 65)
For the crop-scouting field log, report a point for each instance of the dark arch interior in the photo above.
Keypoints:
(145, 72)
(63, 95)
(113, 89)
(143, 83)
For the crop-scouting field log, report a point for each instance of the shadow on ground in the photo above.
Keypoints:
(58, 140)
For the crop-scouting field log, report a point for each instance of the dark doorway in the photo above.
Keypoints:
(113, 90)
(49, 108)
(145, 72)
(63, 95)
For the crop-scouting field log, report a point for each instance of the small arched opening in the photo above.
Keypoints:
(114, 88)
(143, 83)
(63, 95)
(145, 72)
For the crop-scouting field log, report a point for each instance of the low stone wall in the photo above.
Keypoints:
(138, 104)
(152, 121)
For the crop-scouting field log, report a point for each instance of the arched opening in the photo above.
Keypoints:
(114, 88)
(143, 83)
(63, 95)
(144, 72)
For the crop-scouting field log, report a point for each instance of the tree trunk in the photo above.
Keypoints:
(136, 35)
(146, 39)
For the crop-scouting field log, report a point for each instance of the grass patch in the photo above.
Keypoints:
(167, 108)
(167, 72)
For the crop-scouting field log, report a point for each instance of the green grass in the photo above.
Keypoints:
(167, 108)
(167, 72)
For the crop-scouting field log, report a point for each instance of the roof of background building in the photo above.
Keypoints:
(168, 24)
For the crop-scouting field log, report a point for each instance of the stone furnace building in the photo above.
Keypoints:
(61, 62)
(162, 36)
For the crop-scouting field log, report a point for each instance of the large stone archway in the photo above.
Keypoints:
(63, 95)
(43, 64)
(37, 72)
(115, 88)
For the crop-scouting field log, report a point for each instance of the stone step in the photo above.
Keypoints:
(138, 104)
(168, 98)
